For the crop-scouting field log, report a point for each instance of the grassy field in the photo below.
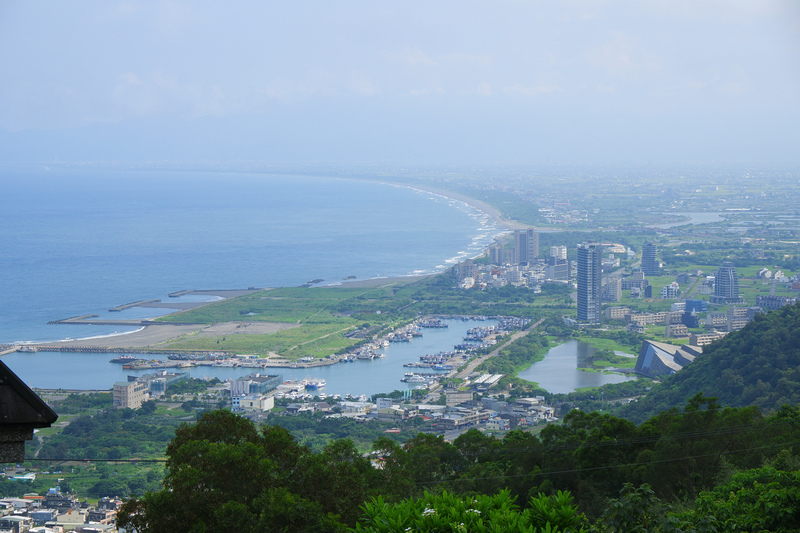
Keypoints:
(606, 344)
(324, 315)
(291, 304)
(313, 339)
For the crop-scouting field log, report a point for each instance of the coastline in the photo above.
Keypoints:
(152, 336)
(492, 212)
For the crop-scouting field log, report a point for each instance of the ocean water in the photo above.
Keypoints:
(80, 241)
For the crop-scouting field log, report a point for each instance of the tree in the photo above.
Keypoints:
(148, 407)
(761, 499)
(637, 510)
(222, 474)
(339, 478)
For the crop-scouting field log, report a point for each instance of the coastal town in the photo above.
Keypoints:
(590, 289)
(372, 267)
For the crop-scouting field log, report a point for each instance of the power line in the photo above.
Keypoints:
(84, 460)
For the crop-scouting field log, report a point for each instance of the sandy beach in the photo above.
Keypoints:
(477, 204)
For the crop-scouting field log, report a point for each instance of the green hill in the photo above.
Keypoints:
(757, 365)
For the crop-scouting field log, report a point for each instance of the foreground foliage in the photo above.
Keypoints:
(224, 474)
(705, 468)
(448, 512)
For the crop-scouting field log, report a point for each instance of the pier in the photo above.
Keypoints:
(95, 320)
(73, 319)
(179, 293)
(9, 350)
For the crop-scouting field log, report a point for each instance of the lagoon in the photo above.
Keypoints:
(561, 372)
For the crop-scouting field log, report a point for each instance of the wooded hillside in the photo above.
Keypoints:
(758, 365)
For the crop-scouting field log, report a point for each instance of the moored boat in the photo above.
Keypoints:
(124, 359)
(313, 384)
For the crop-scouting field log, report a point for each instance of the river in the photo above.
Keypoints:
(694, 218)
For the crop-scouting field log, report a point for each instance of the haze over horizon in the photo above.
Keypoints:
(510, 82)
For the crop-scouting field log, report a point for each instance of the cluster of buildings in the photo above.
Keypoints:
(721, 287)
(56, 512)
(563, 213)
(460, 412)
(519, 265)
(461, 409)
(249, 394)
(684, 315)
(133, 393)
(495, 415)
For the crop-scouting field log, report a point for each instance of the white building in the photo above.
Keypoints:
(467, 283)
(384, 403)
(670, 291)
(252, 404)
(559, 252)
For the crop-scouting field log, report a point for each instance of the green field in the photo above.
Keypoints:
(292, 304)
(606, 344)
(324, 315)
(307, 340)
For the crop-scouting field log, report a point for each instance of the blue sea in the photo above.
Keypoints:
(79, 241)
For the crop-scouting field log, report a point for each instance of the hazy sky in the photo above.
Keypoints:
(417, 82)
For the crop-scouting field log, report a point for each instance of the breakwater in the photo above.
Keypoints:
(91, 320)
(103, 349)
(140, 303)
(8, 349)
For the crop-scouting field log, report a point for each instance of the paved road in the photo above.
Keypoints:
(694, 287)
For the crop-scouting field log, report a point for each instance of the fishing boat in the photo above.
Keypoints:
(124, 359)
(314, 384)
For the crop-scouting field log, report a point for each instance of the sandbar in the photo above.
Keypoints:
(157, 335)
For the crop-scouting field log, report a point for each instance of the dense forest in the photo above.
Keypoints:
(703, 468)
